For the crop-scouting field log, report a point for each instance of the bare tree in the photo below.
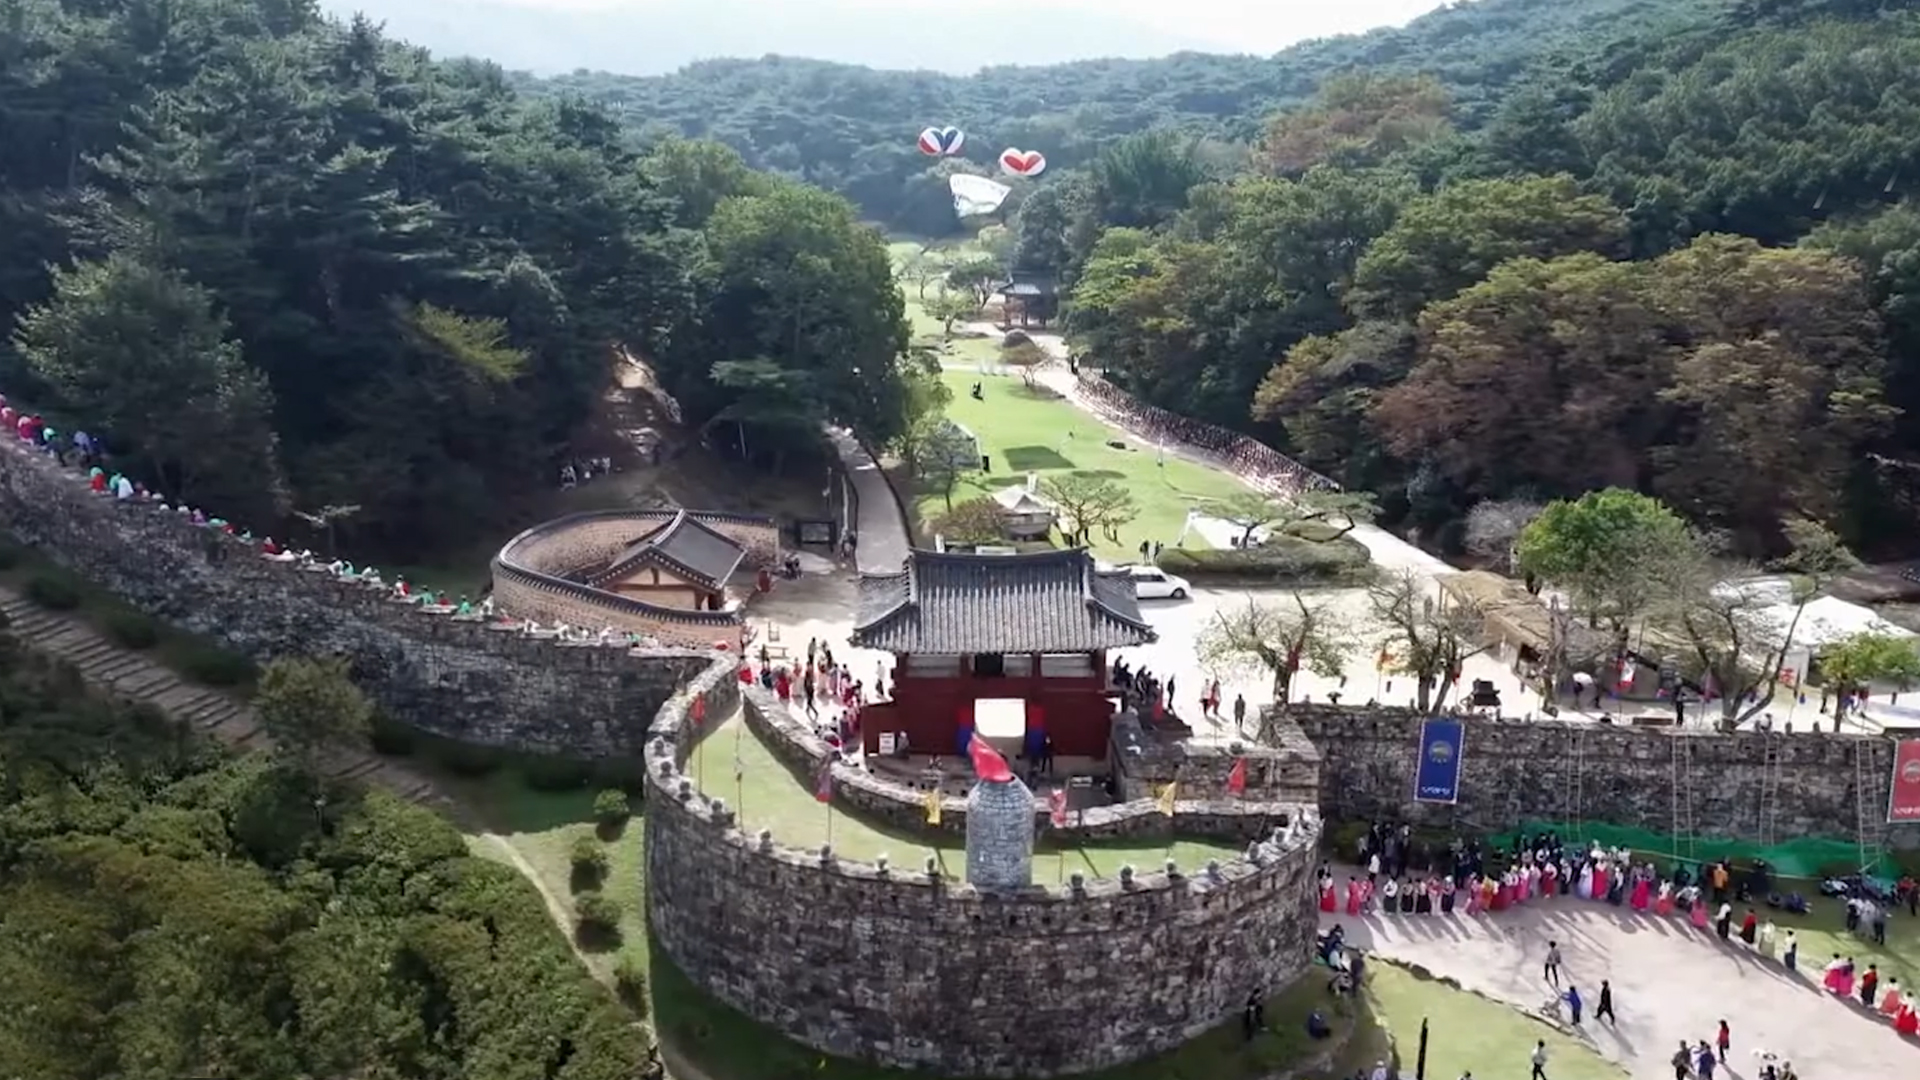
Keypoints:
(1024, 357)
(1085, 503)
(1336, 512)
(1494, 527)
(1427, 639)
(1276, 639)
(1726, 616)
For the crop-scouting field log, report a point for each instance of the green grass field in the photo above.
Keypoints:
(1027, 430)
(768, 796)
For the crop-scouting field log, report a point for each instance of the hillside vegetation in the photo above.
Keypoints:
(167, 911)
(284, 264)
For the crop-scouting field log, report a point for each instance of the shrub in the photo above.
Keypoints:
(610, 807)
(9, 556)
(53, 592)
(599, 913)
(975, 521)
(213, 666)
(131, 630)
(1283, 560)
(589, 857)
(630, 981)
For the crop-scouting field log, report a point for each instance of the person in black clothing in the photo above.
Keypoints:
(1605, 1009)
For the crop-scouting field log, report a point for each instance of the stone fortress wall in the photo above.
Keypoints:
(1753, 787)
(895, 964)
(459, 677)
(533, 574)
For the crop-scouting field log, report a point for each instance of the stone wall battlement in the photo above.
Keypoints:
(898, 965)
(1754, 787)
(461, 677)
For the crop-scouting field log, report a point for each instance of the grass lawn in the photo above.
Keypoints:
(1823, 934)
(769, 796)
(1467, 1031)
(1028, 430)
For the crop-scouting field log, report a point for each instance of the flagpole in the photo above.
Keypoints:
(739, 775)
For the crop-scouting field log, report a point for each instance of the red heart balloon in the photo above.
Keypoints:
(1022, 162)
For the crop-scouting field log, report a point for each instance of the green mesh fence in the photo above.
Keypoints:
(1795, 858)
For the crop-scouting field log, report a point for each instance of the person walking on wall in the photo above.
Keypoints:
(1605, 1009)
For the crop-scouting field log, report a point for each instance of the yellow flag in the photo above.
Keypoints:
(933, 806)
(1167, 795)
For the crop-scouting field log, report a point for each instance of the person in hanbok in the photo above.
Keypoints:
(1642, 891)
(1408, 890)
(1698, 914)
(1663, 902)
(1890, 1003)
(1353, 895)
(1489, 891)
(1533, 880)
(1503, 892)
(1390, 896)
(1790, 953)
(1749, 927)
(1446, 895)
(1549, 879)
(1766, 939)
(1327, 901)
(1839, 977)
(1584, 890)
(1433, 895)
(1616, 888)
(1600, 877)
(1723, 921)
(1472, 889)
(1907, 1021)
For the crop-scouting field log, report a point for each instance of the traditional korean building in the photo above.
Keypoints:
(1002, 645)
(683, 563)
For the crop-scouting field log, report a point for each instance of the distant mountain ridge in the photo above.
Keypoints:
(653, 41)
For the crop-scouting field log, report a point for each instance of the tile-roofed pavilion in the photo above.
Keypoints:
(1047, 602)
(684, 554)
(981, 641)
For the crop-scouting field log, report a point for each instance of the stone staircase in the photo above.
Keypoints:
(132, 676)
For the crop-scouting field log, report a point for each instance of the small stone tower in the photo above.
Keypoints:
(1000, 825)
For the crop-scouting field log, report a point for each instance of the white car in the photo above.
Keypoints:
(1153, 583)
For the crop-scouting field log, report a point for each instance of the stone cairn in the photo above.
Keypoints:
(1000, 835)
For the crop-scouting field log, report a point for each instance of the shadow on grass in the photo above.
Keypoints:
(1102, 474)
(1034, 459)
(722, 1044)
(585, 879)
(597, 938)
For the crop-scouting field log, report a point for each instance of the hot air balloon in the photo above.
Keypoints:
(974, 196)
(1022, 162)
(942, 141)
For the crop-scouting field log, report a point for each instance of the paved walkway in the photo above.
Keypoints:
(883, 542)
(1670, 982)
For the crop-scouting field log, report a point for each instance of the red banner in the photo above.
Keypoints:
(1904, 804)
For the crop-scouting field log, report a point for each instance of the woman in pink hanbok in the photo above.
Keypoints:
(1600, 878)
(1663, 903)
(1549, 881)
(1489, 892)
(1353, 895)
(1472, 889)
(1642, 891)
(1698, 916)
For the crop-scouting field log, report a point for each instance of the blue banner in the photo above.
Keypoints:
(1436, 778)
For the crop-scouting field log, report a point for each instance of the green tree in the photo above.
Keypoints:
(1428, 638)
(698, 175)
(974, 521)
(1357, 118)
(1084, 504)
(310, 707)
(1868, 659)
(140, 353)
(940, 453)
(1610, 550)
(951, 306)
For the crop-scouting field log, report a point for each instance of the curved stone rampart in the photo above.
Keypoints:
(896, 965)
(533, 574)
(459, 677)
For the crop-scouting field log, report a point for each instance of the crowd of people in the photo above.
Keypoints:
(1400, 877)
(1251, 460)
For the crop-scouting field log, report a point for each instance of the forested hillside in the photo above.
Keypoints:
(283, 264)
(168, 911)
(852, 129)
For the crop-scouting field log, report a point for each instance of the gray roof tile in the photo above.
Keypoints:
(948, 604)
(684, 545)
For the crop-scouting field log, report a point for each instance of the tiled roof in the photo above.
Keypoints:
(952, 604)
(687, 547)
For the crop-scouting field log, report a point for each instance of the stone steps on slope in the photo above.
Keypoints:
(134, 677)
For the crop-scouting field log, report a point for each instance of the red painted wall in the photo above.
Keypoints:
(1076, 713)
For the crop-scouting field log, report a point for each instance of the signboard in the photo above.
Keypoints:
(887, 743)
(1903, 802)
(1436, 774)
(814, 532)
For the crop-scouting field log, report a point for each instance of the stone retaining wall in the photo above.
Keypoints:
(1757, 788)
(461, 678)
(893, 965)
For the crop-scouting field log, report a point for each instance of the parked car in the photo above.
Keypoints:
(1153, 583)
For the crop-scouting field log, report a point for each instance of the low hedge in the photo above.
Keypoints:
(53, 592)
(1281, 561)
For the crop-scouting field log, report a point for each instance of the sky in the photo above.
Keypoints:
(644, 37)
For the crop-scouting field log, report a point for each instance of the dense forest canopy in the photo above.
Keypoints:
(288, 264)
(168, 911)
(851, 129)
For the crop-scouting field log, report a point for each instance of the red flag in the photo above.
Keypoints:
(988, 765)
(699, 711)
(1237, 777)
(823, 787)
(1057, 807)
